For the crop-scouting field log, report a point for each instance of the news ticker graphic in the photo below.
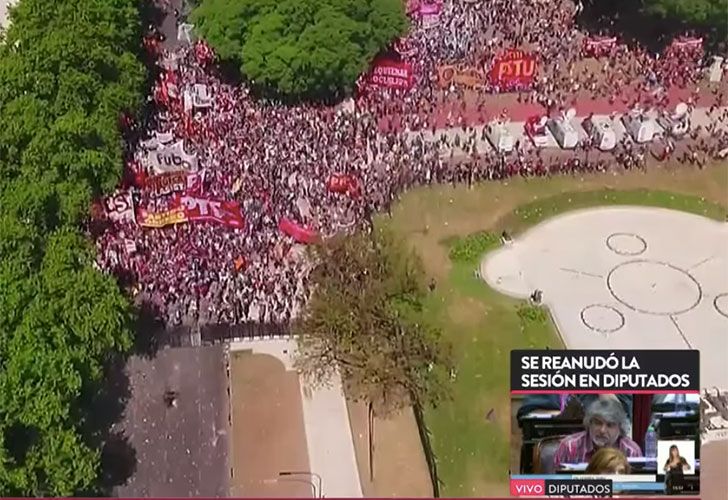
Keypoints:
(561, 486)
(592, 486)
(617, 372)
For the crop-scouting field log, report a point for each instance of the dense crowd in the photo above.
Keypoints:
(470, 35)
(277, 161)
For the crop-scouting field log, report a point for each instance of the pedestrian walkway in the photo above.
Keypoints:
(328, 431)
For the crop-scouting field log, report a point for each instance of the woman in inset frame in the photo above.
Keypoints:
(675, 463)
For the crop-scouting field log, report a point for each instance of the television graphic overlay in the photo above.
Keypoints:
(589, 433)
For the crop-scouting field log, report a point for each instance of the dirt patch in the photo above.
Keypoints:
(269, 436)
(466, 311)
(400, 468)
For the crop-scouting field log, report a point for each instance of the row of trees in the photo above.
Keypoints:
(67, 70)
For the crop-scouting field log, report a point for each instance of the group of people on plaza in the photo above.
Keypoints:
(288, 163)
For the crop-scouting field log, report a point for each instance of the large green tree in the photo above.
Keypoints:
(365, 321)
(66, 73)
(300, 48)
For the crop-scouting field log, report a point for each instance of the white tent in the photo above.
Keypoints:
(600, 131)
(677, 124)
(500, 137)
(563, 130)
(640, 127)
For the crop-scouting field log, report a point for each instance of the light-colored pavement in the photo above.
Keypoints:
(4, 4)
(627, 278)
(328, 432)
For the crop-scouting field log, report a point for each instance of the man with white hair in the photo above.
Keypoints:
(606, 426)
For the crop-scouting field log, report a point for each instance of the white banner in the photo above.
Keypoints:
(120, 206)
(201, 96)
(172, 158)
(157, 140)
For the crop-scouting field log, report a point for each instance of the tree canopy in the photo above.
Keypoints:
(655, 23)
(699, 12)
(66, 72)
(365, 320)
(300, 48)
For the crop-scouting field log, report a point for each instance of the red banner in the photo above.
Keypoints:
(299, 233)
(206, 210)
(173, 182)
(599, 46)
(194, 209)
(689, 43)
(342, 183)
(514, 69)
(391, 74)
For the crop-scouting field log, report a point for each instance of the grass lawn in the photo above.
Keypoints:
(473, 452)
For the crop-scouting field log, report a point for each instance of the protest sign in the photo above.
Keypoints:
(599, 46)
(687, 43)
(173, 182)
(296, 231)
(342, 183)
(460, 75)
(172, 158)
(201, 97)
(199, 209)
(175, 215)
(391, 74)
(405, 48)
(120, 206)
(513, 69)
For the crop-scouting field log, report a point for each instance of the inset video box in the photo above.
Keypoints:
(605, 423)
(618, 372)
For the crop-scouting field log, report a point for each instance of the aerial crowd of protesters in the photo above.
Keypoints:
(298, 173)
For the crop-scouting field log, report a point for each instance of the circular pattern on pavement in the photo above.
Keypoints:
(720, 302)
(627, 244)
(652, 287)
(602, 318)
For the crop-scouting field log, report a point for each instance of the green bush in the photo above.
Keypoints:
(472, 247)
(531, 315)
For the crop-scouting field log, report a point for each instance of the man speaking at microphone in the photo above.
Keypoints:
(606, 426)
